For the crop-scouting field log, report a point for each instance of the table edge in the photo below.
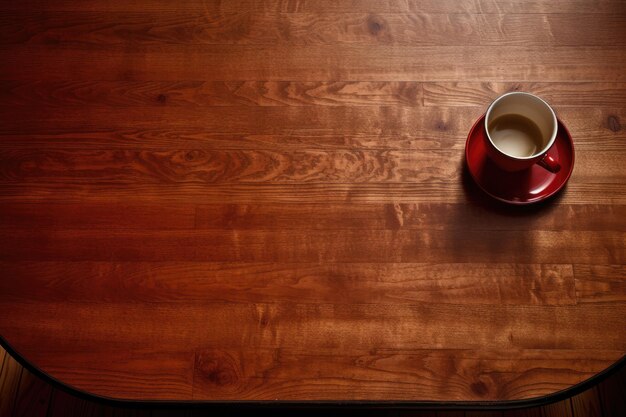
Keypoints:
(321, 404)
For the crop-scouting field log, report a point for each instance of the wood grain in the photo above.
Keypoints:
(218, 370)
(125, 169)
(353, 6)
(612, 395)
(557, 410)
(446, 6)
(585, 193)
(292, 283)
(290, 93)
(82, 29)
(587, 403)
(98, 216)
(599, 283)
(224, 166)
(323, 326)
(167, 374)
(560, 94)
(256, 120)
(340, 127)
(282, 62)
(33, 396)
(357, 216)
(63, 404)
(123, 28)
(10, 375)
(311, 246)
(214, 93)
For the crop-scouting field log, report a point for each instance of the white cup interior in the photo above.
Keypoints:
(529, 106)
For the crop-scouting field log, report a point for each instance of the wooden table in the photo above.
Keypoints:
(249, 200)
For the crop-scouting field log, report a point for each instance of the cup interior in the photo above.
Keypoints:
(531, 107)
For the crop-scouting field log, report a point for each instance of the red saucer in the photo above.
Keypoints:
(524, 187)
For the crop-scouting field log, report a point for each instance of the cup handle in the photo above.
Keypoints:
(550, 164)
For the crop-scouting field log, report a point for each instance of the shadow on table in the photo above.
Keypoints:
(485, 230)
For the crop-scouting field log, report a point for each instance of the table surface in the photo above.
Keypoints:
(251, 200)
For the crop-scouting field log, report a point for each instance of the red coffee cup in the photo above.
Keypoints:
(534, 109)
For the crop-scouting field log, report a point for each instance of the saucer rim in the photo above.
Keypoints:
(566, 132)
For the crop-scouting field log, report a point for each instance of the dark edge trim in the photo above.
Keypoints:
(317, 405)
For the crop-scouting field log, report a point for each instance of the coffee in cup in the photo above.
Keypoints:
(521, 128)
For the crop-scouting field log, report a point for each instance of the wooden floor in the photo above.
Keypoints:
(24, 395)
